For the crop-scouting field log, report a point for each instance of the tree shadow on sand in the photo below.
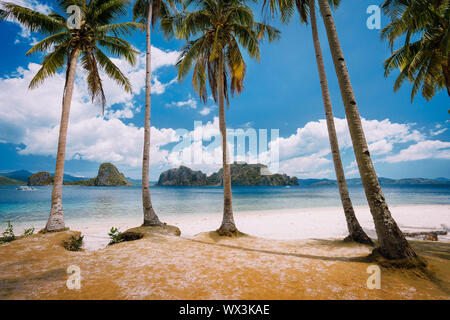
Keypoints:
(8, 286)
(361, 259)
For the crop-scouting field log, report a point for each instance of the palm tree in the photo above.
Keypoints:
(426, 61)
(63, 46)
(392, 242)
(223, 26)
(148, 12)
(305, 8)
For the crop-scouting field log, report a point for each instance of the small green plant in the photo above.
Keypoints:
(115, 235)
(74, 243)
(8, 234)
(28, 232)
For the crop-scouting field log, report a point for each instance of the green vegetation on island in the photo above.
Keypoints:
(41, 178)
(241, 175)
(108, 175)
(4, 181)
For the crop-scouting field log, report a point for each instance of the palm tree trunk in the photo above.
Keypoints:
(150, 217)
(392, 242)
(56, 219)
(356, 233)
(228, 226)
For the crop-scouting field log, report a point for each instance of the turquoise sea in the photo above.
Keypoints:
(111, 203)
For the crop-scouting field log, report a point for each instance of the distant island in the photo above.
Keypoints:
(108, 175)
(42, 178)
(242, 174)
(383, 181)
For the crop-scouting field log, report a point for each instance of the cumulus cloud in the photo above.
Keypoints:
(189, 103)
(31, 117)
(25, 35)
(437, 130)
(380, 135)
(205, 111)
(309, 147)
(429, 149)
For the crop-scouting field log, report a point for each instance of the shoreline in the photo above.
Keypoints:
(284, 224)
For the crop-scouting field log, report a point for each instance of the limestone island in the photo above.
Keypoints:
(41, 178)
(108, 175)
(242, 174)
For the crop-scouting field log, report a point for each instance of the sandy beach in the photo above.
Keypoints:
(295, 254)
(286, 224)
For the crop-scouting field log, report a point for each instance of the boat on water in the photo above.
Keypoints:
(26, 188)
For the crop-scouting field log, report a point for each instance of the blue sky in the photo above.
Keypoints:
(281, 92)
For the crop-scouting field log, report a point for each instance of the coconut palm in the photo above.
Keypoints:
(223, 27)
(392, 242)
(148, 12)
(63, 47)
(426, 61)
(306, 8)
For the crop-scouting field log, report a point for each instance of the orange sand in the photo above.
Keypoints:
(162, 266)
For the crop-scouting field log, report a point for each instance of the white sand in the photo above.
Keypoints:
(287, 224)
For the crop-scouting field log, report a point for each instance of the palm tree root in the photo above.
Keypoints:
(417, 262)
(229, 231)
(359, 238)
(152, 223)
(44, 231)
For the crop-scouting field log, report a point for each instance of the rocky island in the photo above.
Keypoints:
(108, 175)
(242, 174)
(183, 176)
(41, 178)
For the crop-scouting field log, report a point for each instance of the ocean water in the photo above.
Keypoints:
(31, 208)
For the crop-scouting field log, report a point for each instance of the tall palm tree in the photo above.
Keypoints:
(62, 47)
(426, 61)
(307, 8)
(148, 12)
(223, 27)
(392, 242)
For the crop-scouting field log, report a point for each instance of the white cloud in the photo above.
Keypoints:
(437, 130)
(205, 111)
(25, 34)
(428, 149)
(31, 117)
(380, 135)
(380, 147)
(312, 166)
(190, 103)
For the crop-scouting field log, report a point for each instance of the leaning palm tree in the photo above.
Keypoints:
(307, 8)
(223, 27)
(62, 47)
(148, 12)
(392, 242)
(426, 61)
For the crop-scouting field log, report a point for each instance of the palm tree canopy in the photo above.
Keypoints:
(160, 9)
(223, 28)
(424, 57)
(287, 8)
(99, 33)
